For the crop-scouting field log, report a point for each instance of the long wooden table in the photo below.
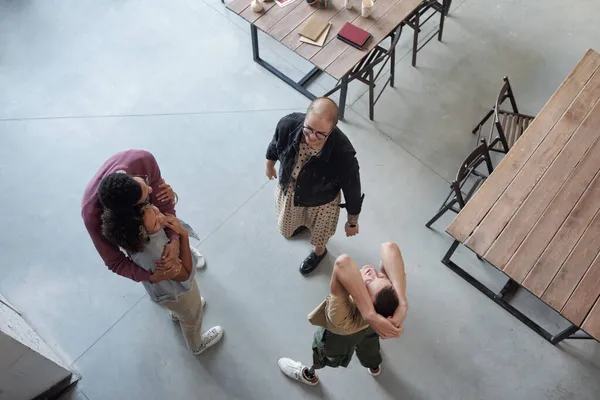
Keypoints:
(537, 217)
(336, 58)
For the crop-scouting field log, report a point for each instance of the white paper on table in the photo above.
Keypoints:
(284, 3)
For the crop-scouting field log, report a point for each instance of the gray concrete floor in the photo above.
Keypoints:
(83, 79)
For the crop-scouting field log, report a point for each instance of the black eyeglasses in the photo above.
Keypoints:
(307, 130)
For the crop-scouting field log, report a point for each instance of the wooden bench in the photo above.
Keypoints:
(537, 217)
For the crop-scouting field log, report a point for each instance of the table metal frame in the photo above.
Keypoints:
(414, 21)
(501, 298)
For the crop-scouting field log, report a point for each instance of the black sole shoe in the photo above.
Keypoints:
(299, 230)
(311, 262)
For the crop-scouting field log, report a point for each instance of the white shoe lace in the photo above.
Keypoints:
(296, 369)
(210, 335)
(207, 338)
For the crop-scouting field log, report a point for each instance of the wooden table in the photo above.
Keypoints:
(337, 58)
(537, 217)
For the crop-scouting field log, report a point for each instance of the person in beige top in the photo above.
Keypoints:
(363, 305)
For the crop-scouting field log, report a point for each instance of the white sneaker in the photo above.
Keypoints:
(201, 261)
(209, 338)
(294, 369)
(174, 317)
(374, 373)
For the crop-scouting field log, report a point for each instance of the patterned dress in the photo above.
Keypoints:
(322, 220)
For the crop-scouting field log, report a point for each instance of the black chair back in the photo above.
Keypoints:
(506, 93)
(501, 137)
(395, 36)
(469, 167)
(513, 123)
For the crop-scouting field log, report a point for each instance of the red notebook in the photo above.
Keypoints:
(353, 35)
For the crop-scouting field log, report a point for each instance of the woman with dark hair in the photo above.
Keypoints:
(128, 179)
(123, 228)
(140, 231)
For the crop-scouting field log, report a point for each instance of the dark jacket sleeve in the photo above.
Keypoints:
(272, 149)
(283, 134)
(350, 182)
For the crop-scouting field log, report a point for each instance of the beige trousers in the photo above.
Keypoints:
(188, 309)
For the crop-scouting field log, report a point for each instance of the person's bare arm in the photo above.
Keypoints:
(184, 248)
(156, 181)
(185, 252)
(392, 265)
(346, 279)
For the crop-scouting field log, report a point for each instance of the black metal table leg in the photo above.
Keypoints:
(296, 85)
(510, 287)
(313, 72)
(450, 251)
(580, 336)
(254, 38)
(559, 337)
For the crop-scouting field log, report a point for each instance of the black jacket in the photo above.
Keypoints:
(322, 176)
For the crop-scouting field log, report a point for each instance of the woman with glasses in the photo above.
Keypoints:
(128, 179)
(316, 163)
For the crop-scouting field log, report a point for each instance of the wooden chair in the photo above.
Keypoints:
(378, 57)
(420, 16)
(508, 126)
(457, 199)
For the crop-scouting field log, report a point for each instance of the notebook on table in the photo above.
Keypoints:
(353, 35)
(320, 41)
(314, 27)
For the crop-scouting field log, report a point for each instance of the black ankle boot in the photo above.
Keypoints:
(311, 262)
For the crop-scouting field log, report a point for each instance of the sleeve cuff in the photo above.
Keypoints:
(143, 275)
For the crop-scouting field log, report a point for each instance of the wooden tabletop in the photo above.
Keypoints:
(537, 217)
(335, 57)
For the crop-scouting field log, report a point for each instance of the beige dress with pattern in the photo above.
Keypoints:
(322, 220)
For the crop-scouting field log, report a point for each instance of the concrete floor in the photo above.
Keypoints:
(83, 79)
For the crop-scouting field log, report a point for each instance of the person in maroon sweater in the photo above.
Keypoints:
(130, 178)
